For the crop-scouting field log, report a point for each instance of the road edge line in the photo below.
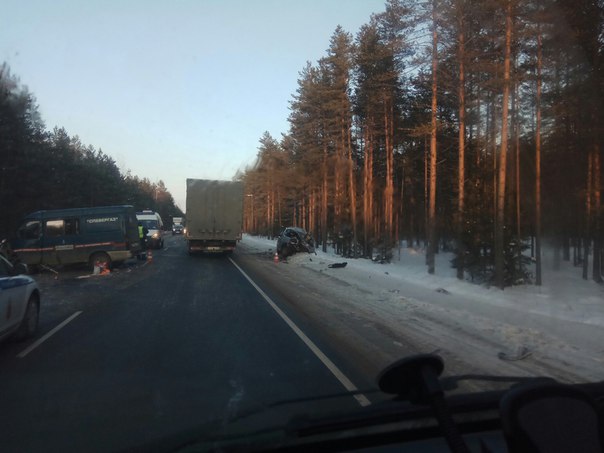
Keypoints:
(338, 374)
(49, 334)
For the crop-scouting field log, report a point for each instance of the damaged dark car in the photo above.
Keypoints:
(293, 240)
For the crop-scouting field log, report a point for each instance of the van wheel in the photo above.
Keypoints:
(101, 258)
(29, 324)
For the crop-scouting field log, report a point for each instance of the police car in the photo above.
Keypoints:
(19, 301)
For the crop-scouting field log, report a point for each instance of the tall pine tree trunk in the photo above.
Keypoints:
(426, 198)
(368, 192)
(517, 177)
(538, 279)
(500, 215)
(588, 213)
(597, 186)
(337, 189)
(432, 207)
(268, 214)
(324, 201)
(462, 144)
(352, 192)
(389, 189)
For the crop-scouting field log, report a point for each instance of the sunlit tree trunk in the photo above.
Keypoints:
(279, 217)
(500, 215)
(368, 192)
(432, 209)
(462, 143)
(268, 215)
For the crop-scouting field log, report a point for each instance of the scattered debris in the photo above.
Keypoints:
(522, 352)
(100, 268)
(442, 291)
(50, 269)
(382, 258)
(337, 265)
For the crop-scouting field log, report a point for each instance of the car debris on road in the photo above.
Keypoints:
(293, 240)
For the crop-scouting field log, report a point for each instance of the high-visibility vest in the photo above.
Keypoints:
(140, 232)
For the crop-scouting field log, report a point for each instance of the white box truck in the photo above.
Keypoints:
(214, 214)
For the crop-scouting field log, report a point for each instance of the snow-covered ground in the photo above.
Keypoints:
(561, 323)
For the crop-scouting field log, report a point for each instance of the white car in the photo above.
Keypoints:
(19, 301)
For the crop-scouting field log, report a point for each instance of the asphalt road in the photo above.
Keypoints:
(158, 353)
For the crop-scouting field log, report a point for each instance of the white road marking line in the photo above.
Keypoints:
(347, 383)
(48, 335)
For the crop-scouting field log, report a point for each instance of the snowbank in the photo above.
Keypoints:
(560, 322)
(563, 295)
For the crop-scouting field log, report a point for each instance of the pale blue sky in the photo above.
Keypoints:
(170, 89)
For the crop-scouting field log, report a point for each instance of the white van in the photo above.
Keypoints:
(152, 222)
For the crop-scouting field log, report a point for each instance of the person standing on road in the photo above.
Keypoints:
(142, 236)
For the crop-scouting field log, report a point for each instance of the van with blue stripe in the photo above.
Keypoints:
(97, 236)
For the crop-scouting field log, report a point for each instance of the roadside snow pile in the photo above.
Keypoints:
(564, 294)
(561, 321)
(259, 243)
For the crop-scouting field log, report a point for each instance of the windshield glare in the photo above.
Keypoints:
(150, 224)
